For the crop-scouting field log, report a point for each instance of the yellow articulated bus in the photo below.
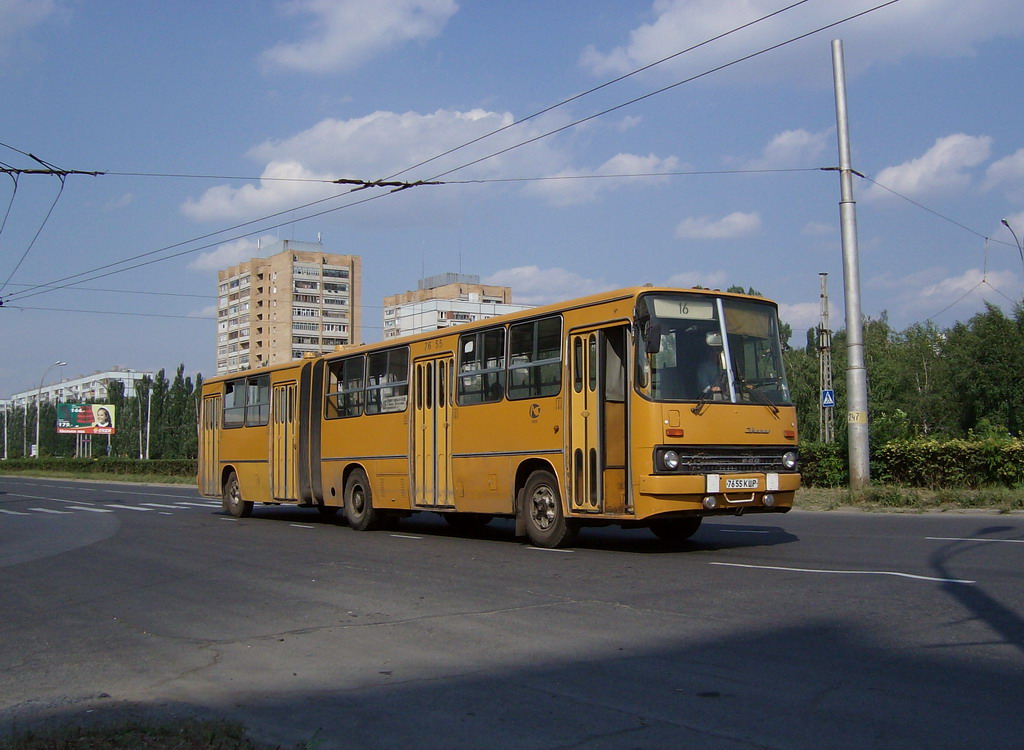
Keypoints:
(646, 406)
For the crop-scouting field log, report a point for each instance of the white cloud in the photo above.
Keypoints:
(1007, 173)
(532, 285)
(209, 312)
(346, 33)
(819, 229)
(18, 16)
(950, 289)
(123, 202)
(793, 149)
(941, 169)
(575, 190)
(374, 147)
(930, 291)
(230, 253)
(801, 316)
(921, 28)
(736, 224)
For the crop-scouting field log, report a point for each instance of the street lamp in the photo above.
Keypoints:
(39, 398)
(1015, 239)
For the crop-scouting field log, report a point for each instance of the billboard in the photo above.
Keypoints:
(85, 419)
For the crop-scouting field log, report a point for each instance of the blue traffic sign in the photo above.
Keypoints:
(828, 399)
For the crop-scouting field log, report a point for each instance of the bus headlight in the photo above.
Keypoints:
(670, 459)
(789, 460)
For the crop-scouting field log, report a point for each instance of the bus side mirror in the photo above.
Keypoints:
(652, 338)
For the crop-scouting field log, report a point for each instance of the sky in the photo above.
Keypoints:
(580, 146)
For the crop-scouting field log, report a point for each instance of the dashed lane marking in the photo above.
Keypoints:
(128, 507)
(51, 510)
(971, 539)
(844, 572)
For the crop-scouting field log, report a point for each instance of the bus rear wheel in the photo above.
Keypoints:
(232, 499)
(675, 530)
(359, 510)
(546, 524)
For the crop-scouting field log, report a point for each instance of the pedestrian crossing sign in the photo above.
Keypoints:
(828, 399)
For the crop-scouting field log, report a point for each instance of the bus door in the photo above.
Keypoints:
(283, 459)
(209, 463)
(431, 431)
(597, 420)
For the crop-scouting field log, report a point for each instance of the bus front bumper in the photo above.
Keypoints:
(728, 493)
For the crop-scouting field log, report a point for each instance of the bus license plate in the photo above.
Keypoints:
(741, 484)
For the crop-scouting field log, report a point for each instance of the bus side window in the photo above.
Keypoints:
(535, 358)
(345, 387)
(481, 376)
(234, 403)
(387, 381)
(257, 401)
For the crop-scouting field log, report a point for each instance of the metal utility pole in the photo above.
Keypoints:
(826, 406)
(856, 373)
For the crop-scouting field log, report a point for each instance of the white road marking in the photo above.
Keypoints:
(143, 494)
(160, 505)
(91, 510)
(14, 512)
(128, 507)
(548, 549)
(845, 572)
(51, 510)
(201, 505)
(971, 539)
(405, 536)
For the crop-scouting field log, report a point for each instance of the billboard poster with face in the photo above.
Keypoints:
(85, 419)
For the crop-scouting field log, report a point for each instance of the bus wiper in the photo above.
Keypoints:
(708, 394)
(702, 401)
(757, 395)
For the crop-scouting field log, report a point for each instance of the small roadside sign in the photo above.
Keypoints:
(828, 399)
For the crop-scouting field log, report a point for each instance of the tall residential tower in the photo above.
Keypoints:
(298, 299)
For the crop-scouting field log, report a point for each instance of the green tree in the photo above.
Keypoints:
(179, 423)
(986, 357)
(802, 374)
(921, 380)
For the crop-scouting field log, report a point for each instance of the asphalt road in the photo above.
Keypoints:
(805, 630)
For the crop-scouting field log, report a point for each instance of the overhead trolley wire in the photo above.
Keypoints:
(63, 180)
(58, 284)
(604, 85)
(665, 88)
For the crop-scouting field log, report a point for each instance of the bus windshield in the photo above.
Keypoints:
(706, 348)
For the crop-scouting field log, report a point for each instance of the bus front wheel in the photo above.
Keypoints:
(233, 502)
(359, 510)
(675, 530)
(546, 524)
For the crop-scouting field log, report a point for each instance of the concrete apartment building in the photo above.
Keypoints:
(295, 301)
(445, 300)
(85, 388)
